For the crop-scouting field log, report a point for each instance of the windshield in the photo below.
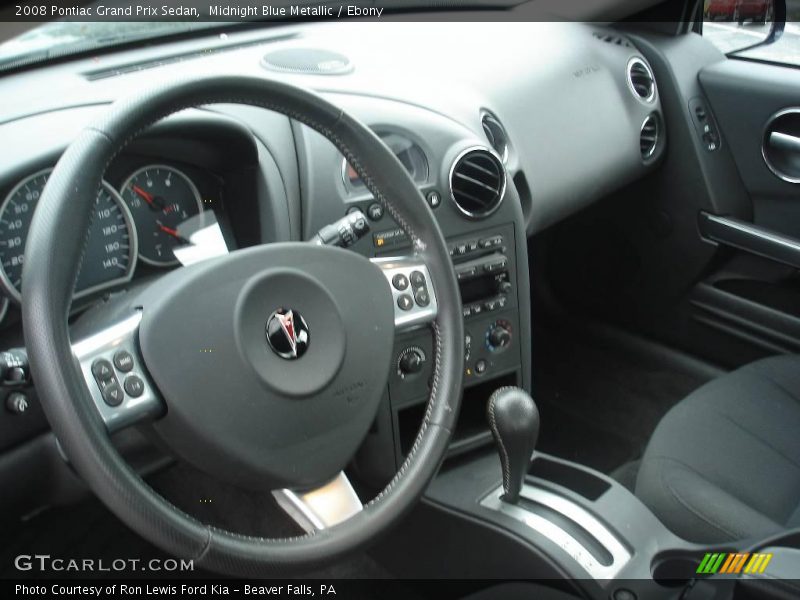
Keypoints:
(60, 38)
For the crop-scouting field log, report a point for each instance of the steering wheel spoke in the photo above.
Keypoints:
(114, 372)
(412, 293)
(323, 507)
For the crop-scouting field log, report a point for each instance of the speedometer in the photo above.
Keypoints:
(110, 253)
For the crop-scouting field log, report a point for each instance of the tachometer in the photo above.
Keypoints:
(160, 199)
(110, 253)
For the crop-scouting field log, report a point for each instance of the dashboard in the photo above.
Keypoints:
(548, 122)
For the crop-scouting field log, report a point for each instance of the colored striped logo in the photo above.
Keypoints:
(734, 563)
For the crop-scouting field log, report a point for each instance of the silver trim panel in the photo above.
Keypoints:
(323, 507)
(120, 336)
(621, 556)
(405, 265)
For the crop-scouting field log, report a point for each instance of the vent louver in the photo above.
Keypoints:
(648, 138)
(496, 134)
(641, 80)
(477, 182)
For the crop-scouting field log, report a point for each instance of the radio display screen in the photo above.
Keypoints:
(478, 288)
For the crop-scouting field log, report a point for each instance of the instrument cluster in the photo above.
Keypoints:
(138, 222)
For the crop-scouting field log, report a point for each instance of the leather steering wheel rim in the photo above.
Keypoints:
(53, 254)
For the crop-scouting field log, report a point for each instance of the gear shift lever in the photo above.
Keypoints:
(514, 421)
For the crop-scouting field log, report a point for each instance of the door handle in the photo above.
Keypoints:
(784, 142)
(780, 145)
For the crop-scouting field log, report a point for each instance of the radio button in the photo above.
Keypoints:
(466, 273)
(492, 242)
(497, 265)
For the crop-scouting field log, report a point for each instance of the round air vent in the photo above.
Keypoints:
(496, 134)
(641, 80)
(307, 61)
(477, 182)
(648, 138)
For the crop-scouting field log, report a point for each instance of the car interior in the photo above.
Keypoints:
(501, 300)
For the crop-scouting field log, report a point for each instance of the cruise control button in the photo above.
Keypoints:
(134, 386)
(405, 302)
(417, 279)
(400, 282)
(123, 360)
(421, 296)
(112, 394)
(102, 369)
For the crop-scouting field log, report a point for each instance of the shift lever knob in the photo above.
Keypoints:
(514, 421)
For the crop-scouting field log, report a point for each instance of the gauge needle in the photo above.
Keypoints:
(147, 197)
(169, 231)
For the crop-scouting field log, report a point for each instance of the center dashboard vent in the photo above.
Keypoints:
(648, 138)
(641, 80)
(477, 182)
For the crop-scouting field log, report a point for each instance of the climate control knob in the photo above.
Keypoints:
(410, 361)
(498, 336)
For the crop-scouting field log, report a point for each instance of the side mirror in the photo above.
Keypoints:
(736, 25)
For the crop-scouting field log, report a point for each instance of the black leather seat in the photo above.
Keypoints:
(724, 463)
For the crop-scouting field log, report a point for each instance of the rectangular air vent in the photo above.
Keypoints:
(612, 38)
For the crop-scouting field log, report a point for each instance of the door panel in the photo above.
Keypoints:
(745, 96)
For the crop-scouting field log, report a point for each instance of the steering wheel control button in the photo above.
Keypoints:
(417, 279)
(134, 386)
(400, 282)
(405, 302)
(434, 199)
(102, 370)
(375, 211)
(287, 333)
(421, 296)
(123, 360)
(17, 403)
(112, 393)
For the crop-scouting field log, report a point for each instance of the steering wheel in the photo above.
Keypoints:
(264, 367)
